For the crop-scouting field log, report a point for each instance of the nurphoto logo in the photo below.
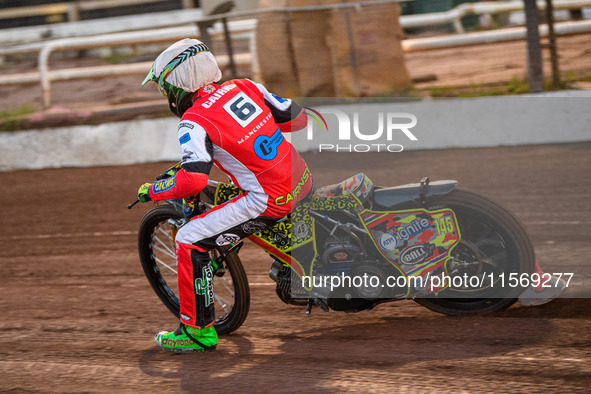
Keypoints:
(370, 132)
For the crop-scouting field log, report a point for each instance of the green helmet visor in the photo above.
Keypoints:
(149, 77)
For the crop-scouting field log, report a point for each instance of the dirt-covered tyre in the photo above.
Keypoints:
(157, 254)
(494, 246)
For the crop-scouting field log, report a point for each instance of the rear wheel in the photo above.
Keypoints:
(494, 245)
(157, 254)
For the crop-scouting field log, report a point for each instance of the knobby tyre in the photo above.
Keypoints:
(157, 256)
(493, 242)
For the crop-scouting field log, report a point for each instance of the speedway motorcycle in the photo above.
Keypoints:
(451, 250)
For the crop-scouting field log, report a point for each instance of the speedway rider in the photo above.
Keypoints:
(236, 126)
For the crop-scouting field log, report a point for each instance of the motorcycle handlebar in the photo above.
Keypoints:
(129, 206)
(209, 183)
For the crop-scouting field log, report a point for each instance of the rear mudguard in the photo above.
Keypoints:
(414, 195)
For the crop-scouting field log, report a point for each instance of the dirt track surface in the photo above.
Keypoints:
(463, 66)
(495, 62)
(78, 314)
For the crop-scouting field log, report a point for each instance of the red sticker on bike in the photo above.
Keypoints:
(418, 241)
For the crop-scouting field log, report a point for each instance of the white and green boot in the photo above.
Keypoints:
(186, 339)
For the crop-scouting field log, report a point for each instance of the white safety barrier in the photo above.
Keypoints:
(238, 31)
(72, 9)
(36, 34)
(556, 117)
(245, 29)
(455, 15)
(485, 37)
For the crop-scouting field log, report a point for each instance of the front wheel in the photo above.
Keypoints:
(493, 246)
(157, 254)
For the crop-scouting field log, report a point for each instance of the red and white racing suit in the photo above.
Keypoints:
(236, 126)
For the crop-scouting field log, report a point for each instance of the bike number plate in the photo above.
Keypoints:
(417, 241)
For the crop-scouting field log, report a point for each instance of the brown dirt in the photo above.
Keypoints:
(78, 314)
(480, 64)
(495, 63)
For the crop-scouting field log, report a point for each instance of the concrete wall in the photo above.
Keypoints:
(491, 121)
(83, 146)
(457, 123)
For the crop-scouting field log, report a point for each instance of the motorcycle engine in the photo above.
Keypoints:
(288, 287)
(360, 281)
(341, 253)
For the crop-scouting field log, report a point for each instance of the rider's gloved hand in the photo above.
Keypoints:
(170, 172)
(143, 194)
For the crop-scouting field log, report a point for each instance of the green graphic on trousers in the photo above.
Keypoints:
(204, 285)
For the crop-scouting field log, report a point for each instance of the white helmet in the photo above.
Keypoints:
(183, 68)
